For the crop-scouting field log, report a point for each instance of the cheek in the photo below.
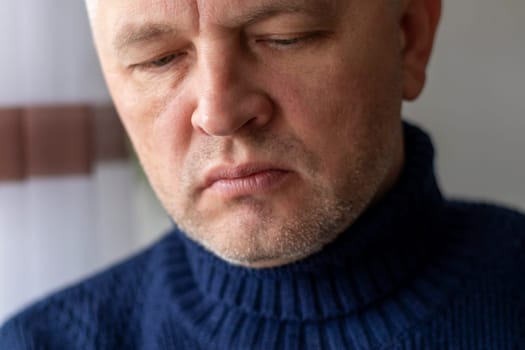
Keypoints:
(342, 112)
(159, 126)
(323, 106)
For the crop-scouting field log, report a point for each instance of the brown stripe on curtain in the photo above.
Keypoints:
(110, 138)
(58, 140)
(11, 145)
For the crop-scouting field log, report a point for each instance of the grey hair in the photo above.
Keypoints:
(91, 6)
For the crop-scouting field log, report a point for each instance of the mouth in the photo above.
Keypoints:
(244, 180)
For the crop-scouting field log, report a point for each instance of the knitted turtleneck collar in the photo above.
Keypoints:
(383, 260)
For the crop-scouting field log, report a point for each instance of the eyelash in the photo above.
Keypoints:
(291, 42)
(161, 62)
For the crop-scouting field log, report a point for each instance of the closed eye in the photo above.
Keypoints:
(285, 42)
(161, 62)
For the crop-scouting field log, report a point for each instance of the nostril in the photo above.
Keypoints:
(226, 126)
(231, 114)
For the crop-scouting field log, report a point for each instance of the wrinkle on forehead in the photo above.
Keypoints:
(133, 21)
(228, 13)
(234, 13)
(140, 11)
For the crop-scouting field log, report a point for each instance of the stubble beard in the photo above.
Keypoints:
(273, 238)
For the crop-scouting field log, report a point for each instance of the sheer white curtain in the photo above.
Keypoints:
(59, 223)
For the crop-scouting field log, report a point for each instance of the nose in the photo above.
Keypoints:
(229, 97)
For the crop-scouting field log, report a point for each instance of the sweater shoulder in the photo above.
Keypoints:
(78, 315)
(495, 218)
(495, 230)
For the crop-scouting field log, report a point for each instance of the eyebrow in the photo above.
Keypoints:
(132, 33)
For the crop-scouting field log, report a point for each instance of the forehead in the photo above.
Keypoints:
(120, 22)
(224, 9)
(200, 12)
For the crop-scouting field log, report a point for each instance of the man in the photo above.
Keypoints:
(308, 215)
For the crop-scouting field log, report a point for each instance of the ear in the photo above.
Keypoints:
(418, 24)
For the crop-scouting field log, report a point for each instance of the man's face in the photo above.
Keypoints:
(265, 126)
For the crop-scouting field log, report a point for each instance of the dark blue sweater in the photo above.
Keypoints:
(414, 272)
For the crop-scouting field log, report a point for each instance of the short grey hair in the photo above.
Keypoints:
(91, 8)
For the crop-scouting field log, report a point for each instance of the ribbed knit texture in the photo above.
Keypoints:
(414, 272)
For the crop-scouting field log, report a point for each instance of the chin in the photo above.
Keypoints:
(260, 242)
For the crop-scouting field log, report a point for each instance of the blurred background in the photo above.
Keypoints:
(73, 200)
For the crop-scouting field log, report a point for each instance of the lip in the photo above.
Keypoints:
(242, 180)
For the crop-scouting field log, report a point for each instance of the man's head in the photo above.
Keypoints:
(266, 127)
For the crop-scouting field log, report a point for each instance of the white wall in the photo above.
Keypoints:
(47, 54)
(474, 103)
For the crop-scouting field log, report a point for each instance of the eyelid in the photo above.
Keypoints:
(295, 38)
(151, 63)
(159, 62)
